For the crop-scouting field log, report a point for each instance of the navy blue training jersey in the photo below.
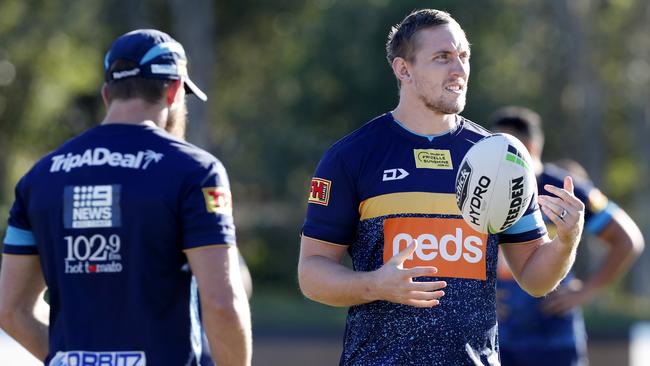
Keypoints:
(377, 189)
(110, 214)
(527, 326)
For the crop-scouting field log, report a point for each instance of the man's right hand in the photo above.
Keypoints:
(393, 283)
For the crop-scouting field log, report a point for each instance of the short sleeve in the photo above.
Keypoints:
(19, 238)
(206, 207)
(332, 203)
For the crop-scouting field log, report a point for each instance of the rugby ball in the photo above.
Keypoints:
(495, 183)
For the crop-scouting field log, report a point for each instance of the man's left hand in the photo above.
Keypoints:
(565, 210)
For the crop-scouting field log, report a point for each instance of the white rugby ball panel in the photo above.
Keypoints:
(495, 183)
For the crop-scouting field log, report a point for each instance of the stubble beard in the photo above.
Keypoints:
(443, 106)
(177, 121)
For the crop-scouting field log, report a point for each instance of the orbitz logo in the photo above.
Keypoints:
(89, 358)
(102, 156)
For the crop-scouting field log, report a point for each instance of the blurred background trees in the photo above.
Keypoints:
(287, 78)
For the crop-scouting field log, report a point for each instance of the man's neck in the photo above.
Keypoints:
(135, 111)
(418, 118)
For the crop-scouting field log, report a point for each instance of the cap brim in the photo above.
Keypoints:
(191, 88)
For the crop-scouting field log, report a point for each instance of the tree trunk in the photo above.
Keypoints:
(581, 102)
(195, 27)
(641, 214)
(639, 121)
(582, 95)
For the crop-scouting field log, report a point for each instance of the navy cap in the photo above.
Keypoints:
(156, 56)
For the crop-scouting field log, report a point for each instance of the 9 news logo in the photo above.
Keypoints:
(91, 206)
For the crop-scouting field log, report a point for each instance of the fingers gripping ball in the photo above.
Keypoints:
(495, 183)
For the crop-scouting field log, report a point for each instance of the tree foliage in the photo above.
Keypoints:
(291, 77)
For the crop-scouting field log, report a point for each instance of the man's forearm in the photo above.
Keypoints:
(27, 330)
(229, 333)
(21, 289)
(625, 243)
(331, 283)
(547, 266)
(550, 261)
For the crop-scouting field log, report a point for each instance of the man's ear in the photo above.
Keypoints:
(172, 91)
(401, 70)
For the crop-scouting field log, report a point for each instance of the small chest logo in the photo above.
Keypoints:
(433, 159)
(394, 174)
(319, 191)
(91, 206)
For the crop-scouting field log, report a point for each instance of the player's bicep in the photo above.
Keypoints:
(216, 269)
(317, 259)
(518, 254)
(310, 247)
(21, 282)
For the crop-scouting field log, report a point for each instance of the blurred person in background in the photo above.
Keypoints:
(110, 221)
(393, 180)
(179, 131)
(551, 330)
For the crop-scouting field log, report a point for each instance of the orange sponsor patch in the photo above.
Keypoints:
(218, 200)
(451, 245)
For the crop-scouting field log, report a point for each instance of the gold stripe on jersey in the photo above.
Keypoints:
(409, 202)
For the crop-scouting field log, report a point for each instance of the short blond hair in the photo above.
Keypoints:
(401, 38)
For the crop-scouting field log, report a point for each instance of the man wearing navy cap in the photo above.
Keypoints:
(109, 222)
